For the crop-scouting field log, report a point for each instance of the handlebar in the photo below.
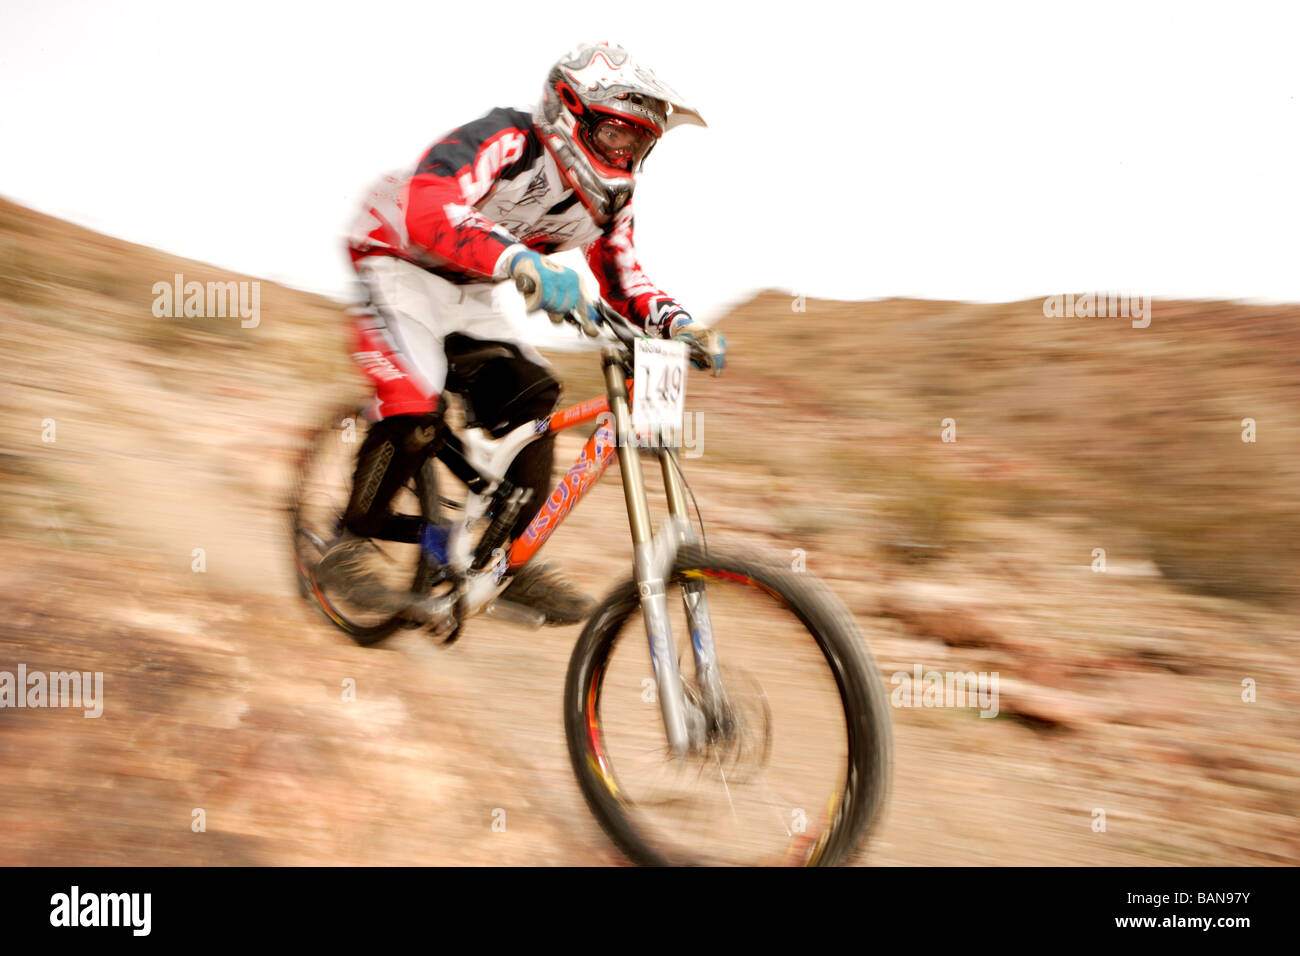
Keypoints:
(615, 324)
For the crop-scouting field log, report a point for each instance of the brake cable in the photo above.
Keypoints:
(672, 455)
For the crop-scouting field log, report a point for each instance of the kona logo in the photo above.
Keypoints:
(604, 441)
(578, 470)
(576, 481)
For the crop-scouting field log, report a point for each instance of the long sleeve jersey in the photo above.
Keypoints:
(492, 186)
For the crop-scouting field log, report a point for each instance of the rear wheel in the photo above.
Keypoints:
(795, 769)
(324, 479)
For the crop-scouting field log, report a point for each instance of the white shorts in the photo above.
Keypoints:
(400, 339)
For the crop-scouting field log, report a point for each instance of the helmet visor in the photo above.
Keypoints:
(620, 144)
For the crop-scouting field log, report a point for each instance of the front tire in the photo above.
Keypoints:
(865, 766)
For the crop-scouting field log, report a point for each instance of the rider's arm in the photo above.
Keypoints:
(623, 284)
(457, 172)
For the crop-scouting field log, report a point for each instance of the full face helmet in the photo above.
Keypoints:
(601, 113)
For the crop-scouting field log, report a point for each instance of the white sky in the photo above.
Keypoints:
(983, 151)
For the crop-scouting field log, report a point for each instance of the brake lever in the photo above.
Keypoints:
(584, 322)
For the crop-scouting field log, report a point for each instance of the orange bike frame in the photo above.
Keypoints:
(592, 461)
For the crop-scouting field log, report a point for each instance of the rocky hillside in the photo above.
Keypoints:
(1098, 533)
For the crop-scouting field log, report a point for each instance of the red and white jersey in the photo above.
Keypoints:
(490, 185)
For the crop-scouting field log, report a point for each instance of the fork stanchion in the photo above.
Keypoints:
(638, 508)
(650, 582)
(674, 487)
(695, 601)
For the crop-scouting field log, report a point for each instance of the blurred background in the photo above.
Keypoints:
(875, 216)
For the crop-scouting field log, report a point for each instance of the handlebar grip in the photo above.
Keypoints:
(525, 285)
(699, 354)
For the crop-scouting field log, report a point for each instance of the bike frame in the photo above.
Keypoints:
(654, 555)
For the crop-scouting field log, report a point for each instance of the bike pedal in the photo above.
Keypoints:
(515, 613)
(443, 631)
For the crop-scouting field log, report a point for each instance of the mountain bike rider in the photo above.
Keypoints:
(485, 204)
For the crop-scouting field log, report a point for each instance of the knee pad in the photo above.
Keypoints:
(392, 452)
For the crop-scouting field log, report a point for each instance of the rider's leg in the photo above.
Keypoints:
(398, 344)
(504, 394)
(532, 469)
(393, 451)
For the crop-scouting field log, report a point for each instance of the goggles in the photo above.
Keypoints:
(620, 144)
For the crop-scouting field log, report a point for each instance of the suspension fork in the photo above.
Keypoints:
(694, 599)
(649, 569)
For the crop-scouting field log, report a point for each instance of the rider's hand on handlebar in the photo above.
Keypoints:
(709, 341)
(548, 285)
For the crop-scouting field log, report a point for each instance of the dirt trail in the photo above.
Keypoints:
(224, 693)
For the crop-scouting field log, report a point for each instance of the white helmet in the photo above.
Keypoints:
(601, 114)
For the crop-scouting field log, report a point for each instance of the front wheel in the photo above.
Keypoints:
(796, 770)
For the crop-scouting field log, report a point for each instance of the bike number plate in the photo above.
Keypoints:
(659, 387)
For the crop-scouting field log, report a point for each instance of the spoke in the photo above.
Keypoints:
(723, 774)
